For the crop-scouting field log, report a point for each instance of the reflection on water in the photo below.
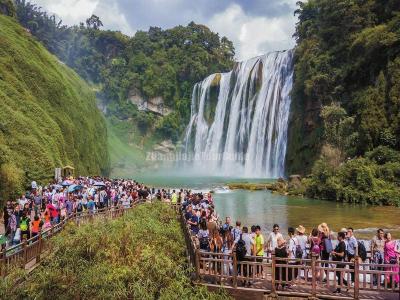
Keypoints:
(265, 209)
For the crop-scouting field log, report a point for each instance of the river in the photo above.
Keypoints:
(265, 208)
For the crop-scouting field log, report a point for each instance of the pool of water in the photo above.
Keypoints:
(265, 208)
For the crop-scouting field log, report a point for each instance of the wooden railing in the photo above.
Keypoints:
(305, 276)
(30, 251)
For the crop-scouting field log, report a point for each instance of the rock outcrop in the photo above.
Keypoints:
(155, 104)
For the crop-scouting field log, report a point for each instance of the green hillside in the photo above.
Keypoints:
(345, 114)
(48, 115)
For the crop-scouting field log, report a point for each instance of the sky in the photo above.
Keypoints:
(255, 26)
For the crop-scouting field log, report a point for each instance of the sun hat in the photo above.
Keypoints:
(343, 230)
(301, 229)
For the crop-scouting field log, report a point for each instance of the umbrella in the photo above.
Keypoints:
(74, 187)
(65, 183)
(99, 183)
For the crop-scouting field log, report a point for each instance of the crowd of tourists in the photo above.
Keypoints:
(250, 244)
(41, 208)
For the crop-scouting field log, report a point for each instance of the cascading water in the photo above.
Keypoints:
(238, 124)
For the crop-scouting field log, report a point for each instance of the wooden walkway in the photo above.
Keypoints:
(266, 275)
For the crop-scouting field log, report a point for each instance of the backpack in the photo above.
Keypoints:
(241, 249)
(315, 248)
(23, 225)
(362, 252)
(299, 252)
(204, 245)
(328, 245)
(79, 207)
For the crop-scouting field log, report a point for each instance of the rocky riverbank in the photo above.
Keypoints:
(292, 186)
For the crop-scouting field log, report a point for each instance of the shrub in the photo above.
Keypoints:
(139, 256)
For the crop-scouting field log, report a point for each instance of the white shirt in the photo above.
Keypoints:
(273, 240)
(249, 241)
(302, 241)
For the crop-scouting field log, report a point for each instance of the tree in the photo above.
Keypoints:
(94, 22)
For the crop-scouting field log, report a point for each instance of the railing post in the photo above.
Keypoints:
(24, 249)
(235, 269)
(356, 277)
(39, 251)
(3, 263)
(197, 263)
(313, 276)
(273, 281)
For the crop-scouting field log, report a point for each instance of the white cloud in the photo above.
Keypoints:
(112, 17)
(251, 35)
(70, 11)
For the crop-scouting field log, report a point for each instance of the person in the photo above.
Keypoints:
(236, 232)
(325, 245)
(338, 255)
(315, 249)
(91, 206)
(37, 224)
(259, 249)
(302, 240)
(378, 252)
(227, 224)
(249, 241)
(292, 243)
(249, 244)
(194, 222)
(294, 251)
(391, 255)
(227, 248)
(351, 249)
(272, 241)
(24, 226)
(280, 272)
(203, 236)
(216, 247)
(174, 197)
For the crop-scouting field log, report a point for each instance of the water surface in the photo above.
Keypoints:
(265, 208)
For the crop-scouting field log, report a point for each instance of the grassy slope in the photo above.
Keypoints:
(139, 256)
(48, 116)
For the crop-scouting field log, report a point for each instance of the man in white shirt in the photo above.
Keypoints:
(249, 241)
(272, 242)
(302, 239)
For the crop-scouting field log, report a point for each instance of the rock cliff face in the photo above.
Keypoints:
(155, 105)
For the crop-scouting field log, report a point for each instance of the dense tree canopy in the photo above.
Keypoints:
(348, 53)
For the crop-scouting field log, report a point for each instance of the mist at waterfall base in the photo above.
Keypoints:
(238, 124)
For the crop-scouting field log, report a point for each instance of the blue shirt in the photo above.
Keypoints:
(351, 245)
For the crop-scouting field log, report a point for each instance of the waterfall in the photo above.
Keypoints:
(238, 124)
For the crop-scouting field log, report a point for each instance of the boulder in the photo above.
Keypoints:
(295, 181)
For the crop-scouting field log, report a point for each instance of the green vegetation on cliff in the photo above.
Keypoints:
(48, 115)
(348, 52)
(346, 99)
(139, 256)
